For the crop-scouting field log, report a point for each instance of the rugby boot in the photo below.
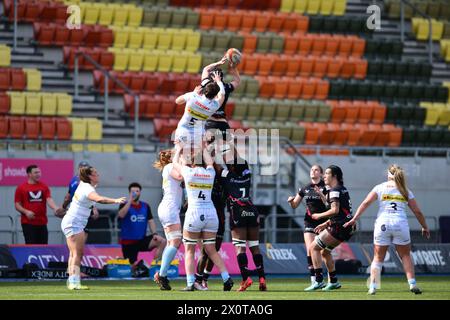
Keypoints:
(199, 287)
(372, 291)
(262, 284)
(332, 286)
(315, 286)
(227, 285)
(162, 282)
(205, 283)
(415, 290)
(245, 284)
(77, 286)
(188, 288)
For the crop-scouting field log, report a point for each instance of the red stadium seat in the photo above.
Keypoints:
(48, 128)
(152, 83)
(280, 65)
(248, 21)
(106, 59)
(122, 77)
(32, 128)
(307, 66)
(44, 33)
(49, 12)
(276, 22)
(281, 85)
(153, 106)
(181, 84)
(265, 64)
(61, 36)
(169, 107)
(305, 43)
(16, 127)
(309, 88)
(168, 82)
(5, 79)
(137, 81)
(99, 81)
(106, 38)
(76, 37)
(63, 128)
(290, 44)
(92, 35)
(4, 127)
(18, 79)
(94, 54)
(322, 89)
(32, 11)
(5, 103)
(234, 21)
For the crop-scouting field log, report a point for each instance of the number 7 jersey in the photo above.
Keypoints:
(199, 183)
(391, 202)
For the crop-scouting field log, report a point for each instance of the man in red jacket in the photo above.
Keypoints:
(31, 200)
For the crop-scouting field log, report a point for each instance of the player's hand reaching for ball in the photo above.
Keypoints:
(216, 76)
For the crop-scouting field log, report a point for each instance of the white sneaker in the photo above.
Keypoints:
(198, 286)
(372, 291)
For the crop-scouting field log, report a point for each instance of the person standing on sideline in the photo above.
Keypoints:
(331, 233)
(391, 224)
(314, 195)
(75, 221)
(136, 216)
(168, 213)
(30, 200)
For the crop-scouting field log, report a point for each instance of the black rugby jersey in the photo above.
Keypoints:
(314, 203)
(220, 113)
(237, 186)
(340, 194)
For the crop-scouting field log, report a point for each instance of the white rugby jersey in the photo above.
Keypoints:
(81, 205)
(199, 183)
(197, 110)
(172, 191)
(391, 202)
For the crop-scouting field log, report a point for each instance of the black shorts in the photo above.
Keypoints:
(219, 204)
(243, 216)
(218, 125)
(339, 232)
(310, 225)
(131, 251)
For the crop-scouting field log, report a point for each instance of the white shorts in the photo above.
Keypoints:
(73, 225)
(191, 135)
(201, 219)
(394, 231)
(168, 214)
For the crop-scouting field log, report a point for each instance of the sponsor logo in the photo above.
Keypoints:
(392, 197)
(428, 257)
(194, 185)
(279, 254)
(35, 197)
(207, 176)
(197, 103)
(247, 214)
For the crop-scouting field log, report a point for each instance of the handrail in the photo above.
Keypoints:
(106, 95)
(12, 227)
(15, 26)
(402, 26)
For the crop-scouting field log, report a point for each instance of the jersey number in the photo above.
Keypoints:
(201, 195)
(192, 121)
(393, 205)
(243, 192)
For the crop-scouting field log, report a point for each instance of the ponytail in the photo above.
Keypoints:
(165, 157)
(400, 180)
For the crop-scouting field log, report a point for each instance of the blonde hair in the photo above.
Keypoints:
(165, 157)
(399, 179)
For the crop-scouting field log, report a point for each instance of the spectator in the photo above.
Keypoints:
(135, 216)
(31, 200)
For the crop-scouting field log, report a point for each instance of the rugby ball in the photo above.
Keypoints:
(233, 56)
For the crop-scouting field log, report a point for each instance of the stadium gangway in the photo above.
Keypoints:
(402, 26)
(10, 229)
(106, 94)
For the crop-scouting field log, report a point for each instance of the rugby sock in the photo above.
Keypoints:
(333, 277)
(74, 279)
(243, 265)
(319, 275)
(312, 274)
(258, 260)
(205, 275)
(225, 275)
(412, 283)
(190, 278)
(167, 257)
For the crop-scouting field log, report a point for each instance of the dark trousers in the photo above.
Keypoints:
(35, 234)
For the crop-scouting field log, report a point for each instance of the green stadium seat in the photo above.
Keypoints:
(192, 19)
(409, 136)
(392, 113)
(254, 109)
(164, 17)
(363, 89)
(405, 114)
(417, 91)
(324, 113)
(150, 16)
(423, 136)
(404, 90)
(179, 18)
(342, 24)
(436, 136)
(377, 89)
(283, 109)
(390, 90)
(387, 69)
(297, 109)
(252, 88)
(374, 68)
(418, 117)
(316, 23)
(264, 41)
(208, 40)
(311, 111)
(401, 70)
(277, 44)
(337, 88)
(240, 110)
(222, 41)
(268, 109)
(237, 41)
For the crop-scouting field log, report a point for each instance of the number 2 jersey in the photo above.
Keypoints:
(199, 183)
(197, 110)
(391, 202)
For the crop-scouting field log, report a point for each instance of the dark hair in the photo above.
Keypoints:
(31, 167)
(85, 172)
(211, 90)
(318, 166)
(134, 185)
(337, 172)
(216, 69)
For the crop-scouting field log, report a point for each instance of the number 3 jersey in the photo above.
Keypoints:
(391, 202)
(199, 183)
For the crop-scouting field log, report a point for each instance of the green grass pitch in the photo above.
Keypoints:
(393, 288)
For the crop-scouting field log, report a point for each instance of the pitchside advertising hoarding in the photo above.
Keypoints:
(55, 172)
(278, 258)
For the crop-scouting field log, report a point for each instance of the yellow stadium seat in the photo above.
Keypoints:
(94, 129)
(135, 16)
(120, 15)
(49, 104)
(151, 60)
(79, 130)
(33, 103)
(300, 6)
(444, 113)
(287, 5)
(76, 147)
(135, 38)
(421, 28)
(150, 38)
(339, 7)
(180, 61)
(313, 7)
(179, 40)
(136, 59)
(121, 58)
(91, 13)
(93, 147)
(127, 148)
(432, 113)
(326, 7)
(193, 41)
(121, 37)
(106, 14)
(34, 79)
(165, 62)
(165, 39)
(437, 29)
(17, 102)
(64, 104)
(194, 63)
(110, 148)
(83, 7)
(5, 56)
